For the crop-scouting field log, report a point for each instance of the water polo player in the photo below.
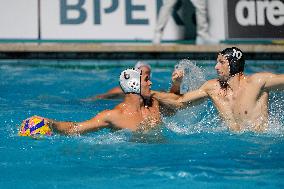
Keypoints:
(138, 111)
(242, 101)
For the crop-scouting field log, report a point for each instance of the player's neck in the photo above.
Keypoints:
(134, 100)
(235, 81)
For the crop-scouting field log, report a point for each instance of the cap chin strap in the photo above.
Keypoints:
(133, 93)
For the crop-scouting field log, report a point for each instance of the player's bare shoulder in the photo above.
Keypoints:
(258, 78)
(209, 85)
(114, 115)
(119, 109)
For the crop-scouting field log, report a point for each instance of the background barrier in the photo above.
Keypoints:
(19, 19)
(135, 20)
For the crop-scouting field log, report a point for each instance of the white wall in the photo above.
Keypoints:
(18, 19)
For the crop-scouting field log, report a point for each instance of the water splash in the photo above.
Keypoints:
(276, 114)
(194, 76)
(122, 136)
(202, 118)
(197, 118)
(106, 137)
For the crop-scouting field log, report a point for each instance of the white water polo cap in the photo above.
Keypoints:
(129, 81)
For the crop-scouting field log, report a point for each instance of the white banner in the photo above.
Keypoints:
(18, 19)
(103, 20)
(97, 19)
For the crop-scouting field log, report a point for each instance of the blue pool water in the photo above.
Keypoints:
(192, 149)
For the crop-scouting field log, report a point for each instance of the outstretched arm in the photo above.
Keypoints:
(181, 101)
(273, 81)
(115, 93)
(69, 128)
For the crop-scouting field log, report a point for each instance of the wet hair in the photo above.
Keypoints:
(236, 60)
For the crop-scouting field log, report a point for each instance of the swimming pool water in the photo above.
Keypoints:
(191, 150)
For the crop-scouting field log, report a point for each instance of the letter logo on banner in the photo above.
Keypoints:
(97, 10)
(129, 9)
(275, 13)
(255, 18)
(252, 13)
(65, 8)
(68, 6)
(95, 19)
(245, 13)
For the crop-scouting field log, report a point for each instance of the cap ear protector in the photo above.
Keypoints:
(130, 81)
(236, 60)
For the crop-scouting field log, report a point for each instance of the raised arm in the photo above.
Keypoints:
(174, 92)
(101, 120)
(273, 81)
(115, 93)
(177, 77)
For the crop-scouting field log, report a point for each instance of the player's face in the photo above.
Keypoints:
(146, 70)
(145, 84)
(222, 67)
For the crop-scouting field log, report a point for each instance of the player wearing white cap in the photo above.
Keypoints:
(138, 112)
